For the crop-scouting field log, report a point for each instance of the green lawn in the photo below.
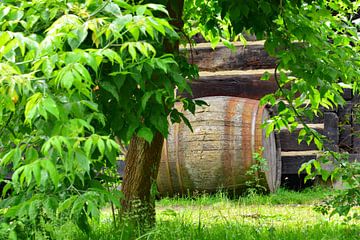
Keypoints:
(284, 215)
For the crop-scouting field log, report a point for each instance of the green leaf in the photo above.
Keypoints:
(281, 106)
(132, 51)
(7, 158)
(31, 155)
(146, 134)
(77, 36)
(88, 147)
(316, 164)
(112, 56)
(82, 71)
(82, 161)
(318, 143)
(67, 79)
(186, 121)
(6, 188)
(140, 10)
(37, 172)
(101, 146)
(109, 87)
(266, 76)
(135, 32)
(145, 99)
(324, 174)
(78, 206)
(301, 136)
(50, 106)
(49, 166)
(31, 106)
(114, 9)
(47, 67)
(65, 205)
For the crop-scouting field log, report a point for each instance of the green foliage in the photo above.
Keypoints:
(317, 47)
(343, 174)
(74, 74)
(256, 174)
(204, 18)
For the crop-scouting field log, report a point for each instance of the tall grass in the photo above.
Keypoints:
(283, 215)
(281, 196)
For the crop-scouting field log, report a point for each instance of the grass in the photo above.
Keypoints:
(282, 196)
(284, 215)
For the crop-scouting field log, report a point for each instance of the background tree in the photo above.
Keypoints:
(73, 76)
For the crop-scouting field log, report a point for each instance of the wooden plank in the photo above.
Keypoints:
(289, 140)
(310, 125)
(355, 123)
(246, 84)
(345, 138)
(206, 45)
(356, 138)
(331, 130)
(251, 56)
(300, 153)
(291, 164)
(347, 95)
(257, 72)
(315, 120)
(354, 157)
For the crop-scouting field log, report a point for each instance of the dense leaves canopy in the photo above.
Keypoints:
(72, 76)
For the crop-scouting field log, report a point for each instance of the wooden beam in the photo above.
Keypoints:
(292, 164)
(300, 153)
(246, 84)
(331, 131)
(289, 140)
(251, 56)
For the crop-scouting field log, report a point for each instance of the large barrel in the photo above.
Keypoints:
(219, 151)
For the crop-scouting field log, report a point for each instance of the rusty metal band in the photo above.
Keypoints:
(246, 133)
(228, 148)
(259, 129)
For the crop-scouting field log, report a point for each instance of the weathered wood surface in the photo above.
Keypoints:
(354, 157)
(331, 131)
(345, 137)
(289, 140)
(356, 138)
(251, 56)
(220, 150)
(291, 163)
(347, 95)
(344, 113)
(246, 84)
(355, 122)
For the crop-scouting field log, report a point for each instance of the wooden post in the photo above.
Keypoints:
(355, 125)
(331, 131)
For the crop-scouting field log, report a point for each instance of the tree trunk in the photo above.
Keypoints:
(143, 159)
(142, 163)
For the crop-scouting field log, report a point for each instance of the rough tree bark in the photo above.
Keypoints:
(142, 163)
(143, 159)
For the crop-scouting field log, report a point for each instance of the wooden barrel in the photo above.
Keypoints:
(219, 152)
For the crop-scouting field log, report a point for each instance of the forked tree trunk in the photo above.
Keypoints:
(142, 163)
